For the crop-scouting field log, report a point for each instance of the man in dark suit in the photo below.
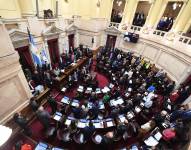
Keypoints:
(44, 117)
(33, 104)
(88, 131)
(52, 103)
(22, 122)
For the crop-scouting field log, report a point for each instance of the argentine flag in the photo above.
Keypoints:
(44, 57)
(34, 51)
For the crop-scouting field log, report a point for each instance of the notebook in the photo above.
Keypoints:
(151, 141)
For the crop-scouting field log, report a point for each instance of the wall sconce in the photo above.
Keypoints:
(98, 3)
(66, 1)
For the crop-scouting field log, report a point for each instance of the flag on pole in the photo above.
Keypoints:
(34, 51)
(44, 57)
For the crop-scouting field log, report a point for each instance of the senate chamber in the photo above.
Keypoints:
(95, 74)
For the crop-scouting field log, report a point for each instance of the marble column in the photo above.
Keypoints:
(14, 88)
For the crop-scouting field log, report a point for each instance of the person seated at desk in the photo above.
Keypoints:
(116, 93)
(160, 118)
(106, 98)
(53, 104)
(94, 112)
(36, 77)
(22, 122)
(56, 71)
(44, 117)
(77, 112)
(145, 128)
(121, 128)
(88, 131)
(73, 127)
(93, 97)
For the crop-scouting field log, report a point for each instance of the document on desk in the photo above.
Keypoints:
(109, 124)
(158, 136)
(151, 141)
(63, 89)
(89, 89)
(80, 90)
(68, 122)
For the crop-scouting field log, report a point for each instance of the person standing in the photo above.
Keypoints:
(22, 122)
(44, 117)
(53, 104)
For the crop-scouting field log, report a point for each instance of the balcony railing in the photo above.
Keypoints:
(114, 24)
(159, 33)
(184, 39)
(136, 28)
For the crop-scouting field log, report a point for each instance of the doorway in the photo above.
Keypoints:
(111, 40)
(53, 51)
(71, 41)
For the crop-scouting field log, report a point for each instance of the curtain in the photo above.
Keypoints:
(53, 51)
(25, 57)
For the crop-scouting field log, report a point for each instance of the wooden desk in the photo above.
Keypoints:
(63, 79)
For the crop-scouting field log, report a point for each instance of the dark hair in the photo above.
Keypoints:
(15, 116)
